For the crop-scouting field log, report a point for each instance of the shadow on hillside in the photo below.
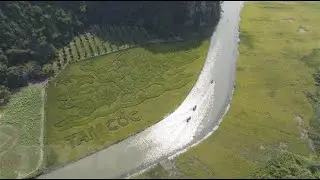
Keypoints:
(194, 40)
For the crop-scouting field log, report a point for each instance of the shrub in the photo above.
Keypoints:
(287, 165)
(4, 95)
(48, 70)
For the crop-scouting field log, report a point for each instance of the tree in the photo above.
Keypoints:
(16, 77)
(48, 70)
(4, 95)
(18, 56)
(3, 58)
(33, 70)
(288, 165)
(3, 73)
(316, 77)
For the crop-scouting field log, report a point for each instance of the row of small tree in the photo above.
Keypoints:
(99, 41)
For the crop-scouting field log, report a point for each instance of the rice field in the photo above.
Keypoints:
(20, 133)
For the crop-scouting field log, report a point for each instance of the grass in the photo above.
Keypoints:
(272, 75)
(95, 103)
(21, 121)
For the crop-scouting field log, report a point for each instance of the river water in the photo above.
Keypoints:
(211, 95)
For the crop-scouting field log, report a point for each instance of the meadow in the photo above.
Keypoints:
(266, 132)
(100, 101)
(20, 133)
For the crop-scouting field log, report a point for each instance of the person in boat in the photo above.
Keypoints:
(189, 118)
(194, 108)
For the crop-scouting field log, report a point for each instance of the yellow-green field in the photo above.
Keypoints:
(97, 102)
(274, 70)
(20, 133)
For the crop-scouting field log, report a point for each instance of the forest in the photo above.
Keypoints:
(32, 31)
